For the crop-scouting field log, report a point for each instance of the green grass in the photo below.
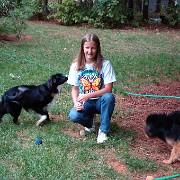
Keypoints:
(138, 58)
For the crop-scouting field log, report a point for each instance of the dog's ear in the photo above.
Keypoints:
(55, 77)
(50, 81)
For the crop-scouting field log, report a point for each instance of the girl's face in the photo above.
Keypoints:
(90, 51)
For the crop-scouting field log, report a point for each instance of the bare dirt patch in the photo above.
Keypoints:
(112, 160)
(55, 117)
(71, 133)
(4, 38)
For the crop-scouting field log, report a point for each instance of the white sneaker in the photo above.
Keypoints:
(92, 129)
(101, 137)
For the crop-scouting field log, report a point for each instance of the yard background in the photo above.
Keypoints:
(141, 57)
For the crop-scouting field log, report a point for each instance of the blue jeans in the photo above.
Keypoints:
(104, 106)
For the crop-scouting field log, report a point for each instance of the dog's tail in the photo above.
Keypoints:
(12, 99)
(16, 96)
(4, 106)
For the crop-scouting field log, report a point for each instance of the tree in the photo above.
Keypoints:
(41, 11)
(45, 8)
(158, 6)
(145, 9)
(131, 9)
(139, 5)
(170, 2)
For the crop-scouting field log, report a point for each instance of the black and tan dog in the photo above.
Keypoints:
(31, 97)
(167, 128)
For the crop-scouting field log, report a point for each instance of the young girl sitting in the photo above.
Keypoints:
(92, 77)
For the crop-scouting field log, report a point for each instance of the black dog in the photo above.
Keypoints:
(31, 97)
(167, 128)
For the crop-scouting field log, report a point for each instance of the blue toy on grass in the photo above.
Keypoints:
(38, 141)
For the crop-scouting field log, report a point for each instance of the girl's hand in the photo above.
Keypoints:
(82, 98)
(78, 106)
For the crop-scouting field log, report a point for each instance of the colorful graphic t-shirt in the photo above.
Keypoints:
(90, 80)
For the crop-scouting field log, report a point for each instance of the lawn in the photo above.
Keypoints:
(140, 57)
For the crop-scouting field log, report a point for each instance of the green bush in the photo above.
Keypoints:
(41, 10)
(99, 14)
(70, 12)
(172, 16)
(14, 16)
(106, 12)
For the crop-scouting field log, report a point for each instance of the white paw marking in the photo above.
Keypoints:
(41, 120)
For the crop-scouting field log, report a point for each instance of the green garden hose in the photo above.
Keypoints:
(163, 178)
(151, 95)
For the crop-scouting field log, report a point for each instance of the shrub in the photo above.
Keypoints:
(41, 10)
(106, 12)
(70, 12)
(98, 13)
(172, 16)
(14, 15)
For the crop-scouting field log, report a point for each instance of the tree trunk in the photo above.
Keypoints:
(139, 5)
(158, 6)
(145, 9)
(131, 9)
(45, 8)
(171, 2)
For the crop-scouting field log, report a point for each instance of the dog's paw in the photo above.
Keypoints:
(41, 120)
(38, 123)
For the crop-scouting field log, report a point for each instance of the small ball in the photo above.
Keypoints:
(38, 141)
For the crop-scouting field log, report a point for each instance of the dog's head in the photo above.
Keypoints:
(154, 124)
(55, 81)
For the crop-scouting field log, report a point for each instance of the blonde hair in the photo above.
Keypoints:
(81, 61)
